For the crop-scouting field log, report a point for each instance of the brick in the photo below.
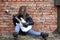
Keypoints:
(38, 27)
(18, 0)
(9, 0)
(36, 0)
(32, 5)
(0, 10)
(41, 0)
(45, 0)
(47, 13)
(1, 5)
(32, 0)
(0, 0)
(45, 29)
(23, 0)
(28, 0)
(4, 0)
(53, 27)
(54, 21)
(13, 0)
(53, 16)
(48, 21)
(3, 25)
(46, 16)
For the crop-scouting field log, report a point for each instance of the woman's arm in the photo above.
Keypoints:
(14, 20)
(30, 21)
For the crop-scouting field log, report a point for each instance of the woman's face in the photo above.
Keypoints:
(23, 10)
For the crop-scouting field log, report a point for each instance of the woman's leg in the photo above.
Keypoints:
(16, 31)
(17, 28)
(34, 33)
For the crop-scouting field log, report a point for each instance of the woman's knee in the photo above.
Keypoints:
(17, 24)
(17, 28)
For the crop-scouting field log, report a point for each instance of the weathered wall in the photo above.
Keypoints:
(43, 12)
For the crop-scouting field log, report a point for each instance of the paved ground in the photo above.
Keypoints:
(27, 37)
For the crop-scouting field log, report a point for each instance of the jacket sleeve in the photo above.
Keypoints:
(14, 20)
(30, 21)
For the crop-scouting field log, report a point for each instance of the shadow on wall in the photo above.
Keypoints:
(57, 4)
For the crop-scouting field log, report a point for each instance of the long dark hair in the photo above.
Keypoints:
(20, 12)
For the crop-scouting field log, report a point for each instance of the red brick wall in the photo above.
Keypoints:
(43, 12)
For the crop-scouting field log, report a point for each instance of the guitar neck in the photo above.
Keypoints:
(18, 19)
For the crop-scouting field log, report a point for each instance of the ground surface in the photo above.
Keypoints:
(27, 37)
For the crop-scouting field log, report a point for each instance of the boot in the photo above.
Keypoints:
(15, 35)
(44, 35)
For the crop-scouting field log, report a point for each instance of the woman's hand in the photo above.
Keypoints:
(25, 24)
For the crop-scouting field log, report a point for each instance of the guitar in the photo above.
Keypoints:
(24, 29)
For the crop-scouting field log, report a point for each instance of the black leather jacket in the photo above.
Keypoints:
(29, 19)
